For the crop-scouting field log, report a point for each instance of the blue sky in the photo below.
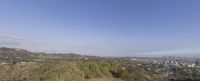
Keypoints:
(102, 27)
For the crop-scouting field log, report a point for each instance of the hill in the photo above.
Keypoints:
(22, 65)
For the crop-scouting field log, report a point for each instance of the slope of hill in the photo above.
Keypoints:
(29, 66)
(15, 54)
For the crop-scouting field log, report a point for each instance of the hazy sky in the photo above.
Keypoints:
(102, 27)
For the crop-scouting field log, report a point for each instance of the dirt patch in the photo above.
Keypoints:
(104, 79)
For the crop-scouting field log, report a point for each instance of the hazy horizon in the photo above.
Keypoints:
(102, 27)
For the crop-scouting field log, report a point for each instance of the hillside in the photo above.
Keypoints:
(22, 65)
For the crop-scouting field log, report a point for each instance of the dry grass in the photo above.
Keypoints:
(104, 79)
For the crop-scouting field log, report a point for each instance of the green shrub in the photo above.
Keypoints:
(57, 72)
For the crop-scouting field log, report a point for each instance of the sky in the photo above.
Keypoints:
(102, 27)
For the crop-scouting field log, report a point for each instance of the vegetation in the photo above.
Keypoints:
(64, 67)
(57, 72)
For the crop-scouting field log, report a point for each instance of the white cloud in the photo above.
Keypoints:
(34, 45)
(12, 41)
(20, 42)
(105, 49)
(175, 52)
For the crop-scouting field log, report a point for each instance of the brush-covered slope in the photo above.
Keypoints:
(22, 65)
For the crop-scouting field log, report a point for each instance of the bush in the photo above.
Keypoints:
(57, 72)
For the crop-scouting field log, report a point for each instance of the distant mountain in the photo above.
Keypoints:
(14, 54)
(17, 54)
